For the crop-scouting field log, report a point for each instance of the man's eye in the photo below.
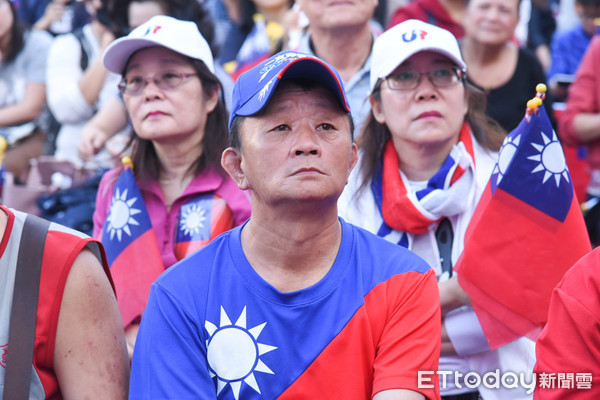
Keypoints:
(281, 128)
(326, 127)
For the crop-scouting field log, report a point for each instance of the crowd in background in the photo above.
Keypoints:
(59, 97)
(63, 102)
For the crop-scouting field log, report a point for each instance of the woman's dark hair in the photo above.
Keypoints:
(17, 36)
(375, 135)
(213, 143)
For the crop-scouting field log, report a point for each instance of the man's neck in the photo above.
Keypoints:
(346, 49)
(292, 250)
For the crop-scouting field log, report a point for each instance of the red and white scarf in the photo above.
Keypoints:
(447, 192)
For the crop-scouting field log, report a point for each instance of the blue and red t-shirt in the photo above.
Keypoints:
(213, 328)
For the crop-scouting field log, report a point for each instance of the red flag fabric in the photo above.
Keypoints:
(131, 247)
(526, 232)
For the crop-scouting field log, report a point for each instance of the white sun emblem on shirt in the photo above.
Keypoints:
(507, 152)
(193, 219)
(551, 159)
(121, 214)
(233, 353)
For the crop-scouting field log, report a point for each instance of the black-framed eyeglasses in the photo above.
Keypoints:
(441, 76)
(134, 85)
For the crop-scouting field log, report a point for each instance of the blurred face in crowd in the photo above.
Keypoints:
(141, 11)
(6, 18)
(271, 6)
(430, 114)
(331, 14)
(491, 22)
(166, 102)
(587, 14)
(298, 148)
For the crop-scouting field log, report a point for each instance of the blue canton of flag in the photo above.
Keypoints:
(195, 219)
(127, 219)
(532, 167)
(201, 219)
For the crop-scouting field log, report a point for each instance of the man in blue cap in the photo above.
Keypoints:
(295, 303)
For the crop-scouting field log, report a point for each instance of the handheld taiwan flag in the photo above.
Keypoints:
(526, 232)
(131, 247)
(201, 220)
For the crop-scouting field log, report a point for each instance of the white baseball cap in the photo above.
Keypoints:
(182, 37)
(412, 36)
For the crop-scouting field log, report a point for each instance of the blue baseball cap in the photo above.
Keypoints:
(254, 88)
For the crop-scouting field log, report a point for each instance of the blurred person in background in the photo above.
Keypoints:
(447, 14)
(78, 84)
(22, 88)
(54, 16)
(259, 34)
(342, 34)
(497, 64)
(569, 46)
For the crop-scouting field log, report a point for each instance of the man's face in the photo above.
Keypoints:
(587, 14)
(332, 14)
(299, 148)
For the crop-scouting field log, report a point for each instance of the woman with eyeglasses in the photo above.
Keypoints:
(179, 119)
(427, 152)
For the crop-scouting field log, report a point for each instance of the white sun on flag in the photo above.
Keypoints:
(233, 353)
(551, 159)
(507, 152)
(193, 219)
(121, 214)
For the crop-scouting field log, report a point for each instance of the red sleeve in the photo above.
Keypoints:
(568, 350)
(411, 338)
(411, 11)
(584, 94)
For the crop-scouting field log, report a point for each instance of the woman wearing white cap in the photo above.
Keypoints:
(427, 153)
(180, 129)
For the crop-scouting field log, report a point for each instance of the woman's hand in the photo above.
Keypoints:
(53, 12)
(452, 295)
(447, 346)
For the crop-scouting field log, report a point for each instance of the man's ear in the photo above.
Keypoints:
(231, 161)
